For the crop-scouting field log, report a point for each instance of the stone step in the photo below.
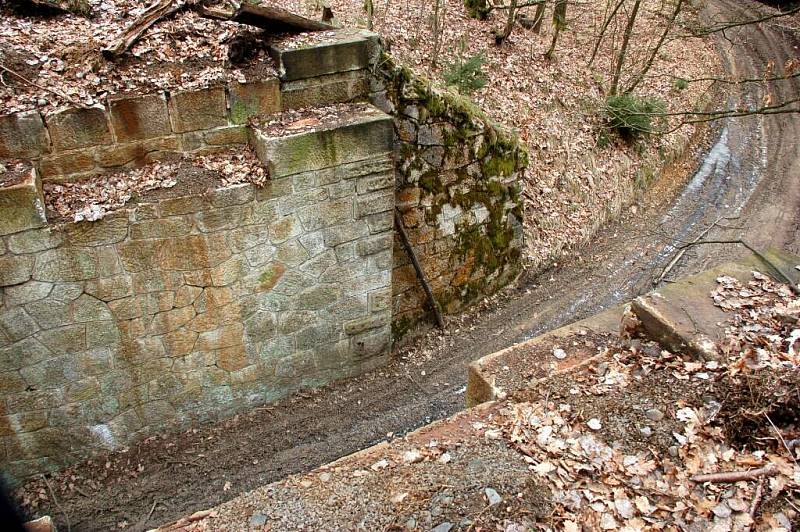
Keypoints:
(326, 67)
(682, 316)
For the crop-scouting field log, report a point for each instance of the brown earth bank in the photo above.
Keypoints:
(751, 172)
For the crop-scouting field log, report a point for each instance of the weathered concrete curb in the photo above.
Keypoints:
(492, 376)
(682, 317)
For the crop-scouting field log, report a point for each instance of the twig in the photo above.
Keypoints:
(398, 221)
(682, 252)
(41, 87)
(736, 476)
(757, 498)
(55, 501)
(150, 514)
(780, 437)
(418, 385)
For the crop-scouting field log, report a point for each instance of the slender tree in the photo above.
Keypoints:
(559, 23)
(623, 50)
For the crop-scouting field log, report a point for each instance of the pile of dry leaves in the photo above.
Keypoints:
(92, 198)
(709, 479)
(56, 61)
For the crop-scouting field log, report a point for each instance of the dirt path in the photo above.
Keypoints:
(753, 171)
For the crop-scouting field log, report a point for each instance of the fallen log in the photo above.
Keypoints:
(159, 10)
(276, 20)
(736, 476)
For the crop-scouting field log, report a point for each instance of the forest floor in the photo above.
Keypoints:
(751, 171)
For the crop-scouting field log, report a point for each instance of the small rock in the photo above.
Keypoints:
(324, 477)
(602, 368)
(594, 424)
(380, 464)
(492, 496)
(412, 457)
(673, 451)
(411, 524)
(646, 431)
(445, 458)
(258, 520)
(397, 498)
(559, 353)
(443, 527)
(721, 510)
(654, 414)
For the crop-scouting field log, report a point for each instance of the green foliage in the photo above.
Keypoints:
(681, 84)
(477, 9)
(467, 76)
(633, 116)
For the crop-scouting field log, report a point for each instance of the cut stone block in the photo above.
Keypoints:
(360, 135)
(325, 90)
(139, 117)
(346, 50)
(682, 316)
(256, 98)
(22, 205)
(78, 128)
(196, 110)
(22, 136)
(66, 163)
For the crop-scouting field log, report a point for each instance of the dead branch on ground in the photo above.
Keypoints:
(159, 10)
(736, 476)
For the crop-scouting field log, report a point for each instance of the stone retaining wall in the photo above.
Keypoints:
(191, 308)
(458, 185)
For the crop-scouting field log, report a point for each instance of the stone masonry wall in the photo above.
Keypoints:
(458, 189)
(192, 308)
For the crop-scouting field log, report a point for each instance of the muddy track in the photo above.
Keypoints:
(752, 171)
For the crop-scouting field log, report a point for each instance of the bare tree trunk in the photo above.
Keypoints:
(654, 53)
(501, 36)
(559, 23)
(623, 51)
(538, 18)
(370, 9)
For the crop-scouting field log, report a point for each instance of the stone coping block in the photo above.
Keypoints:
(22, 205)
(78, 128)
(139, 117)
(23, 136)
(682, 317)
(198, 109)
(358, 136)
(338, 51)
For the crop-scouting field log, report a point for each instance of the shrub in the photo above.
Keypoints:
(632, 116)
(467, 76)
(681, 84)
